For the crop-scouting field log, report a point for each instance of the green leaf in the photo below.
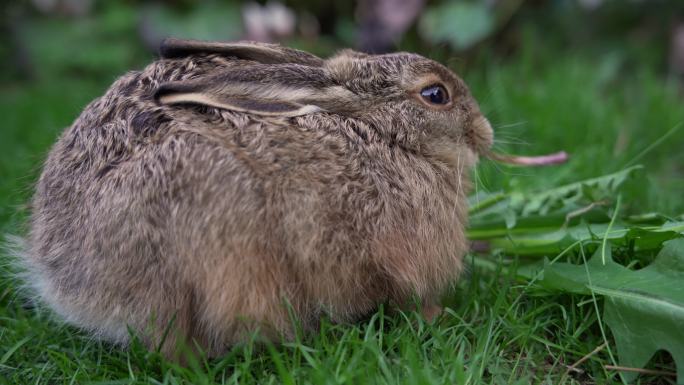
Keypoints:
(552, 206)
(644, 309)
(546, 222)
(462, 24)
(540, 242)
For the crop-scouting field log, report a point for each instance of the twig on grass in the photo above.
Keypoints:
(579, 362)
(641, 371)
(583, 210)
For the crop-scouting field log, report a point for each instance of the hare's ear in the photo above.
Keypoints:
(272, 90)
(174, 93)
(259, 52)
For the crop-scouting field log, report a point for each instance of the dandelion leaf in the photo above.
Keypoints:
(644, 309)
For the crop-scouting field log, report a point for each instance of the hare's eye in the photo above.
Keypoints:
(435, 94)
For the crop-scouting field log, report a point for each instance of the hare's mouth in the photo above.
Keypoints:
(481, 137)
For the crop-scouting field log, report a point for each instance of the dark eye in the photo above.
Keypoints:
(435, 94)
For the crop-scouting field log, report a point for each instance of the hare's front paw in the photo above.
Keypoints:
(431, 312)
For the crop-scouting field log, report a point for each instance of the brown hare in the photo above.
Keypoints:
(228, 186)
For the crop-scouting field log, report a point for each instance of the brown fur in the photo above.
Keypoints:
(326, 184)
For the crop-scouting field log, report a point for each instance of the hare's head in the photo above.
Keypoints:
(407, 99)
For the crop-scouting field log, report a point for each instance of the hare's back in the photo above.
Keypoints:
(129, 198)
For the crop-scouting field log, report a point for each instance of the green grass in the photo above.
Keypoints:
(604, 110)
(491, 333)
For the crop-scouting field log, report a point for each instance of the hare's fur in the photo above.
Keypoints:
(154, 209)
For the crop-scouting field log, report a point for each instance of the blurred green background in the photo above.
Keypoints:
(599, 79)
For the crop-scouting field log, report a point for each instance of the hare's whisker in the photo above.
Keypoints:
(511, 141)
(509, 125)
(509, 171)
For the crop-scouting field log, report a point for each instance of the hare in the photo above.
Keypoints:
(229, 186)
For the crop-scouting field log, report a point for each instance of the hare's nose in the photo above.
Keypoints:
(481, 134)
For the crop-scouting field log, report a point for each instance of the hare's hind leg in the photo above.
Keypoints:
(253, 300)
(175, 332)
